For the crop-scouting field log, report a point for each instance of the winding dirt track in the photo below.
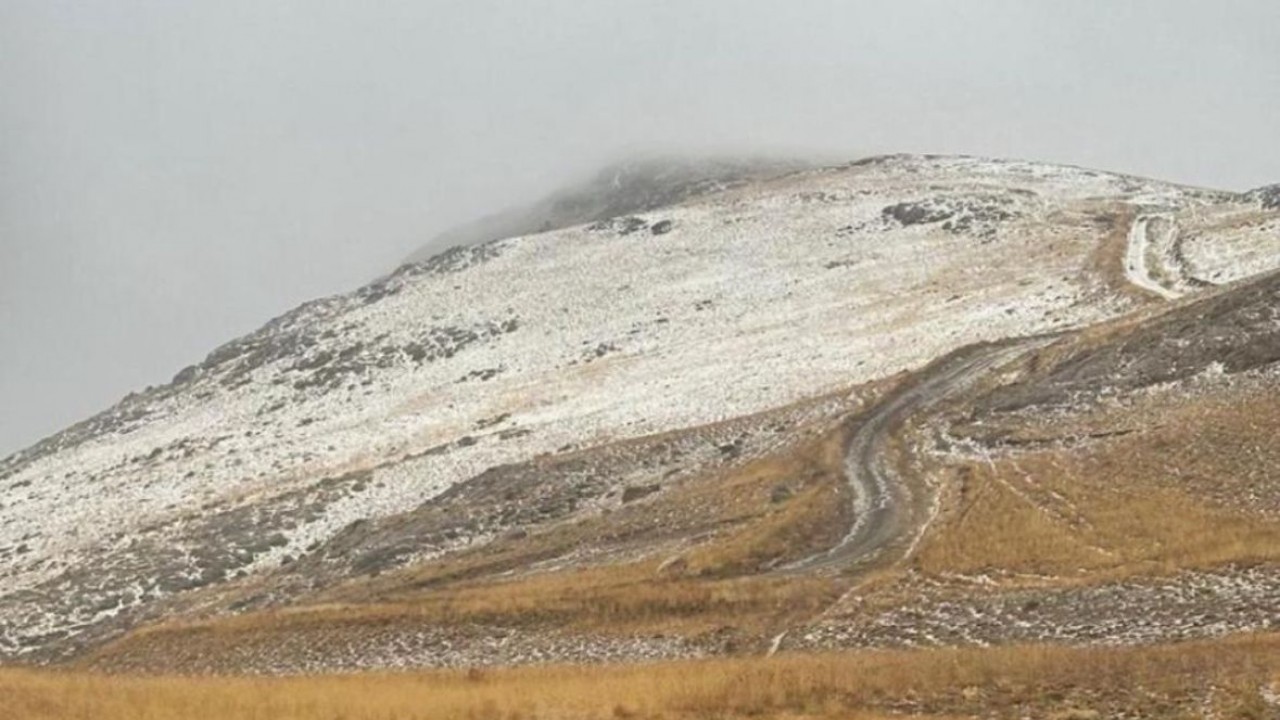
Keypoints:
(887, 513)
(1169, 278)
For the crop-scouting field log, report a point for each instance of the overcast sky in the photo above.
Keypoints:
(173, 174)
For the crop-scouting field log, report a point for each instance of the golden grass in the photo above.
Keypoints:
(693, 588)
(812, 520)
(617, 601)
(725, 521)
(1107, 260)
(1196, 490)
(1112, 532)
(995, 528)
(622, 599)
(703, 585)
(1040, 681)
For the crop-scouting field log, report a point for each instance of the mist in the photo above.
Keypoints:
(175, 174)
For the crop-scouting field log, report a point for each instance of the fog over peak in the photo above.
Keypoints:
(175, 174)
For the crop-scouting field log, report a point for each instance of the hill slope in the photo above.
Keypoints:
(701, 428)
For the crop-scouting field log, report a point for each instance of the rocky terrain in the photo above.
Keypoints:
(704, 410)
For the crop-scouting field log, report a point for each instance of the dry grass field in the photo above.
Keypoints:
(1231, 678)
(1160, 483)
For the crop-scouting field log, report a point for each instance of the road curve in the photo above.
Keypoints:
(886, 512)
(1135, 259)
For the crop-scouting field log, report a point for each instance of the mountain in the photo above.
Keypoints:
(724, 410)
(625, 188)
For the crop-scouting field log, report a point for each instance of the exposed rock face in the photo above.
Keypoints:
(1267, 196)
(1231, 332)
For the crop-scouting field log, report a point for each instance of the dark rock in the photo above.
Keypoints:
(1268, 197)
(730, 449)
(635, 492)
(966, 214)
(455, 259)
(915, 213)
(186, 375)
(604, 349)
(490, 422)
(620, 225)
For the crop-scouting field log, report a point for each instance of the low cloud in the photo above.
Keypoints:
(174, 174)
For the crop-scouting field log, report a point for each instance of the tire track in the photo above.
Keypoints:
(1136, 270)
(887, 513)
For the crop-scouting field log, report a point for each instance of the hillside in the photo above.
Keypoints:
(905, 402)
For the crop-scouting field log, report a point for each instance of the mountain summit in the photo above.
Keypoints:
(633, 186)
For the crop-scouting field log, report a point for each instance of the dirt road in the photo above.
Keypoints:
(887, 513)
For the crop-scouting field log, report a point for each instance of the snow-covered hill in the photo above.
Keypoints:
(732, 302)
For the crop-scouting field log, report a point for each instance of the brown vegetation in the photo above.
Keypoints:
(714, 536)
(1226, 677)
(1178, 481)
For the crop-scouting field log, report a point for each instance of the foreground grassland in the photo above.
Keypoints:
(1230, 678)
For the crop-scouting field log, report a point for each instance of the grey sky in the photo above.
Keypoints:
(173, 174)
